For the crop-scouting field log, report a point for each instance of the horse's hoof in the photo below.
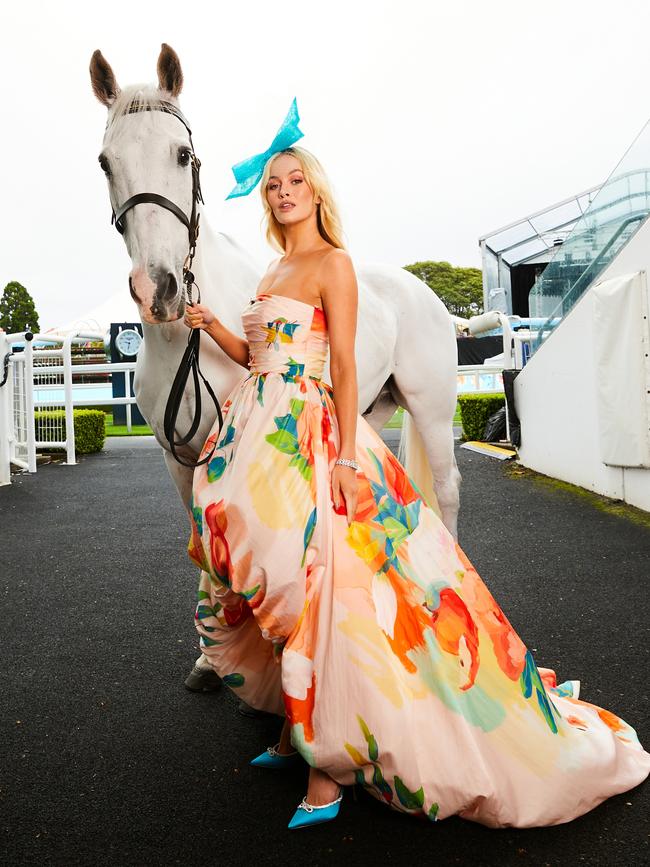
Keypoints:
(246, 710)
(202, 680)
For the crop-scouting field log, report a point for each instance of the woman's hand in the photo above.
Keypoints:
(345, 485)
(198, 316)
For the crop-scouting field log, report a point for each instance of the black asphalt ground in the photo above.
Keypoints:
(107, 760)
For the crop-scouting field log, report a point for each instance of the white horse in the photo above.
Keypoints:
(405, 348)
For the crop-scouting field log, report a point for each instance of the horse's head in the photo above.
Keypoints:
(148, 151)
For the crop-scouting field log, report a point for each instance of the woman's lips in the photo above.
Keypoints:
(286, 207)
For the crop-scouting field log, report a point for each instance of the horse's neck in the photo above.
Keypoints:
(226, 274)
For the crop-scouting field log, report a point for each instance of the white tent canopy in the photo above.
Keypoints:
(120, 307)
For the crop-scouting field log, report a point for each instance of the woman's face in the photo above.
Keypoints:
(287, 191)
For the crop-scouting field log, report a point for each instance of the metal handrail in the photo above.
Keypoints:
(585, 279)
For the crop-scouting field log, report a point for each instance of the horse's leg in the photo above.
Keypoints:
(438, 438)
(432, 408)
(182, 478)
(202, 677)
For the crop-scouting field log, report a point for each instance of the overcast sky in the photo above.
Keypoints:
(436, 122)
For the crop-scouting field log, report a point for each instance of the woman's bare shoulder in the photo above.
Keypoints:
(273, 264)
(337, 257)
(337, 273)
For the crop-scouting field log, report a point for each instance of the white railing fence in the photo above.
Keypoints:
(20, 408)
(40, 377)
(480, 379)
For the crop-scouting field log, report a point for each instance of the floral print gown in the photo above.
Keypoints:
(396, 667)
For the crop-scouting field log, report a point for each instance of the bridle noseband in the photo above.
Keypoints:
(190, 360)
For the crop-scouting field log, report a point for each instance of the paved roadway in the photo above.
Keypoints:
(106, 760)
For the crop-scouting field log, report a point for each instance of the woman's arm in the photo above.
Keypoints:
(233, 345)
(200, 316)
(339, 293)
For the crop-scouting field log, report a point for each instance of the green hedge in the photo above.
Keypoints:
(89, 428)
(475, 410)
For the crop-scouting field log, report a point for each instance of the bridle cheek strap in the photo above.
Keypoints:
(190, 361)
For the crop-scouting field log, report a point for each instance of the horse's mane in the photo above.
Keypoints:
(147, 94)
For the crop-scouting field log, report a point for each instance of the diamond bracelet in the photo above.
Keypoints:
(348, 463)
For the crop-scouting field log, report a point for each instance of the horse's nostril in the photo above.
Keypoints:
(170, 288)
(166, 289)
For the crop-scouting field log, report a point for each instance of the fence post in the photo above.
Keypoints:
(5, 409)
(127, 392)
(71, 457)
(30, 422)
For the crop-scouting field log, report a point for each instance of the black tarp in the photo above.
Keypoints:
(509, 377)
(474, 350)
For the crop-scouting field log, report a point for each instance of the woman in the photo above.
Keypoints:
(331, 591)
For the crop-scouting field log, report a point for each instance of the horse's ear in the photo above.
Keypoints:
(170, 74)
(102, 78)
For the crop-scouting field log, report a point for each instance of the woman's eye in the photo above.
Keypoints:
(293, 180)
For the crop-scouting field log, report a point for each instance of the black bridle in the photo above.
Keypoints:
(190, 361)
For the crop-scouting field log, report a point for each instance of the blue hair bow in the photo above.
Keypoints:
(248, 172)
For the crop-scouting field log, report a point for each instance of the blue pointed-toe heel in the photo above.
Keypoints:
(308, 814)
(570, 688)
(274, 760)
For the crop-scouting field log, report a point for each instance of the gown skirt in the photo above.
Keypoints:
(391, 659)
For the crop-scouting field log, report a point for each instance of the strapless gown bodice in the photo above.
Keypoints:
(286, 336)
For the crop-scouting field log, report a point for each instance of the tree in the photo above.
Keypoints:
(459, 289)
(17, 309)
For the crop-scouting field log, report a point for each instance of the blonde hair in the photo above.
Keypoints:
(327, 212)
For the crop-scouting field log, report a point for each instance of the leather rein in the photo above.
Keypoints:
(190, 361)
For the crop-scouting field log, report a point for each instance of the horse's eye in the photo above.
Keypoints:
(103, 162)
(183, 156)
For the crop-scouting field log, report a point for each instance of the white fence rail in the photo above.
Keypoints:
(41, 378)
(480, 379)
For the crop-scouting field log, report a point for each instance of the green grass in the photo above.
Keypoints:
(396, 420)
(119, 430)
